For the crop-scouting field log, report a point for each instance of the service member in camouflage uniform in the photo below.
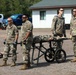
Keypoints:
(10, 43)
(26, 39)
(58, 24)
(73, 32)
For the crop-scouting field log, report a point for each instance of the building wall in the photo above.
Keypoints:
(37, 23)
(67, 15)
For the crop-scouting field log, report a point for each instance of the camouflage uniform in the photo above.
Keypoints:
(10, 39)
(26, 45)
(73, 33)
(58, 27)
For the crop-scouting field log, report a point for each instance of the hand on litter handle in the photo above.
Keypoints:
(54, 33)
(64, 35)
(15, 42)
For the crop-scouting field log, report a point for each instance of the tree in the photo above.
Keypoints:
(9, 7)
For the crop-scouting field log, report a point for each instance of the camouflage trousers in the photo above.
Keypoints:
(58, 43)
(7, 49)
(26, 52)
(74, 44)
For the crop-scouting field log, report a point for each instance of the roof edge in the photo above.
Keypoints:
(52, 7)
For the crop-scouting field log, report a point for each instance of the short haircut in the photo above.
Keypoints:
(58, 10)
(26, 15)
(72, 10)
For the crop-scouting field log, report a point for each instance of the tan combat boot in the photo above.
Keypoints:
(4, 63)
(13, 64)
(24, 67)
(73, 60)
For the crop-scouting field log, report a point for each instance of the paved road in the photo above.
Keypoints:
(43, 68)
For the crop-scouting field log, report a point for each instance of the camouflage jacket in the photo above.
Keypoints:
(73, 26)
(25, 28)
(11, 31)
(58, 25)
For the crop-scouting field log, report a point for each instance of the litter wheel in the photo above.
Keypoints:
(49, 55)
(60, 56)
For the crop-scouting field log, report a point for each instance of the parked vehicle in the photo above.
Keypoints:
(5, 22)
(17, 19)
(1, 18)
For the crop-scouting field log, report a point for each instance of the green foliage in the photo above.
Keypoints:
(9, 7)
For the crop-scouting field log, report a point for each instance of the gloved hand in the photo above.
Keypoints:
(15, 42)
(24, 41)
(64, 35)
(1, 55)
(54, 33)
(4, 42)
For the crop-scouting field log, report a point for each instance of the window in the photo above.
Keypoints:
(42, 15)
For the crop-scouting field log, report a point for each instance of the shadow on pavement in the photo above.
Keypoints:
(70, 55)
(43, 64)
